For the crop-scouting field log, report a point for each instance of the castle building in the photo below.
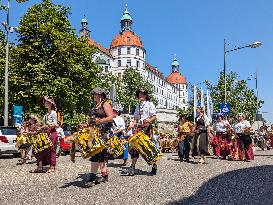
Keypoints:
(127, 50)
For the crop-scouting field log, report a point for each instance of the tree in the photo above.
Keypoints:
(127, 87)
(241, 98)
(51, 60)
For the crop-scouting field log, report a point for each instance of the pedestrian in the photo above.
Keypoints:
(50, 125)
(184, 130)
(221, 127)
(202, 127)
(102, 114)
(60, 134)
(144, 116)
(242, 130)
(119, 128)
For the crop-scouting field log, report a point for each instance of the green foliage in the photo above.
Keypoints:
(51, 60)
(241, 98)
(127, 87)
(2, 6)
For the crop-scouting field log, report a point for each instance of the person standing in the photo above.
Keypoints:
(50, 124)
(102, 114)
(244, 141)
(184, 129)
(60, 134)
(202, 127)
(144, 116)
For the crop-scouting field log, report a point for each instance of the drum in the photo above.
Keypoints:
(40, 142)
(89, 142)
(22, 141)
(115, 146)
(145, 147)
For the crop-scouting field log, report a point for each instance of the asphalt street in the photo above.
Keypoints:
(216, 182)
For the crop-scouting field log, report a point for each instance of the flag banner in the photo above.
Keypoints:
(194, 101)
(18, 115)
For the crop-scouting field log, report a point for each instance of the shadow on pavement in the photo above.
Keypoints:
(244, 186)
(78, 183)
(137, 172)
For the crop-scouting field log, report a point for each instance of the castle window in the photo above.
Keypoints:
(119, 63)
(137, 64)
(129, 62)
(137, 52)
(128, 50)
(119, 51)
(128, 39)
(106, 69)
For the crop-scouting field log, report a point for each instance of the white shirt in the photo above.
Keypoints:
(240, 126)
(60, 132)
(221, 126)
(205, 118)
(144, 111)
(119, 123)
(51, 118)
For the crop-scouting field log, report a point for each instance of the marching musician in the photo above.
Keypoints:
(270, 133)
(144, 116)
(119, 129)
(102, 114)
(202, 127)
(242, 131)
(23, 145)
(220, 128)
(43, 158)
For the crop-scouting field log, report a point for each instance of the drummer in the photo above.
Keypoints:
(103, 115)
(119, 129)
(144, 116)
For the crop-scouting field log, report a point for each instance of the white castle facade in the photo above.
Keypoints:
(127, 50)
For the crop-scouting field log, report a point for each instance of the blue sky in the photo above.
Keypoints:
(193, 29)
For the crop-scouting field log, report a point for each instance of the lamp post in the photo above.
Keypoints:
(255, 77)
(8, 30)
(253, 45)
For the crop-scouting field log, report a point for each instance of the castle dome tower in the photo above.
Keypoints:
(127, 48)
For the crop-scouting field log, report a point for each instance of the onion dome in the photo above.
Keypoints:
(176, 78)
(126, 38)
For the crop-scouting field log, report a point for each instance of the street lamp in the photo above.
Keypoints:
(8, 30)
(253, 45)
(255, 77)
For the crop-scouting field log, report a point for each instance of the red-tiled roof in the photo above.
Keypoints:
(154, 70)
(99, 46)
(126, 38)
(176, 78)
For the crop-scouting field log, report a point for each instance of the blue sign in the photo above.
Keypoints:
(225, 108)
(18, 115)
